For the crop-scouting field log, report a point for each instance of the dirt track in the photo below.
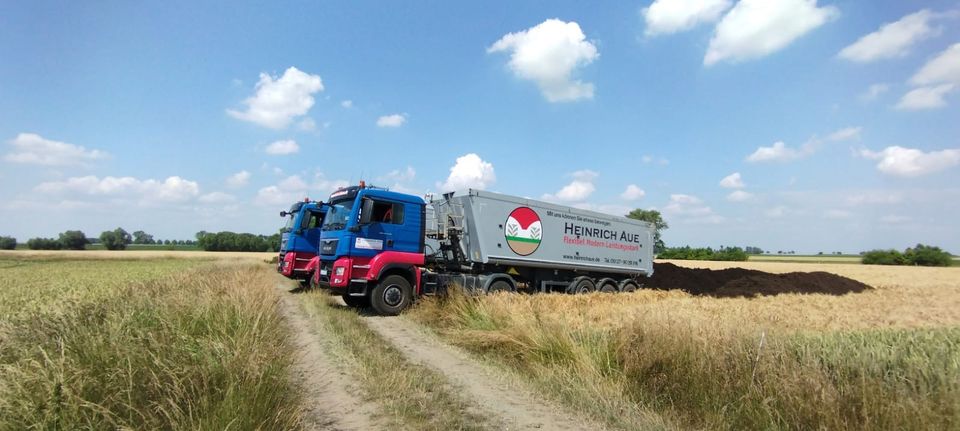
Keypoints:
(506, 403)
(331, 400)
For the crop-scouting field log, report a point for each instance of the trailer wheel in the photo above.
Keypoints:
(628, 285)
(356, 301)
(581, 285)
(392, 295)
(608, 285)
(499, 286)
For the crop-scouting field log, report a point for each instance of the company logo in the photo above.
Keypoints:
(523, 231)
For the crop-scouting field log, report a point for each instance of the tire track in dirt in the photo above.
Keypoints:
(490, 390)
(330, 401)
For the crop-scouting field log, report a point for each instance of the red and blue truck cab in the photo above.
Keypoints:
(300, 240)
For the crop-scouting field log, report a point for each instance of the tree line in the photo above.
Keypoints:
(120, 239)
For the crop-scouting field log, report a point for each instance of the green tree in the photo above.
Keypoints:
(653, 217)
(141, 237)
(8, 243)
(44, 244)
(925, 255)
(74, 240)
(116, 239)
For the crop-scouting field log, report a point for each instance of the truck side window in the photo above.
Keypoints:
(387, 212)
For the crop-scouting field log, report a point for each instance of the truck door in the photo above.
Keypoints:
(312, 221)
(385, 231)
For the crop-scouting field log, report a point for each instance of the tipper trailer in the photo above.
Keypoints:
(384, 249)
(300, 239)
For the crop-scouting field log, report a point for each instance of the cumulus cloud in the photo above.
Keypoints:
(658, 160)
(686, 205)
(944, 68)
(30, 148)
(238, 179)
(277, 101)
(925, 98)
(632, 193)
(911, 162)
(393, 120)
(671, 16)
(469, 172)
(739, 196)
(873, 92)
(892, 40)
(548, 54)
(577, 190)
(756, 28)
(776, 212)
(399, 180)
(779, 152)
(294, 188)
(282, 148)
(845, 134)
(217, 198)
(347, 104)
(173, 189)
(732, 181)
(836, 214)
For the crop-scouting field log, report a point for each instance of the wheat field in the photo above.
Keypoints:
(888, 358)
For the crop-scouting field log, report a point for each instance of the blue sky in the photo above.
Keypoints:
(182, 117)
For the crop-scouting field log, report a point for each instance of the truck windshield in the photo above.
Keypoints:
(288, 223)
(337, 215)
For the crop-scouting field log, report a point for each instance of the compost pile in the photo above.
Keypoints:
(739, 282)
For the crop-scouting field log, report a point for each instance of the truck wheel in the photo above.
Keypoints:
(607, 285)
(392, 295)
(627, 286)
(499, 286)
(581, 285)
(356, 301)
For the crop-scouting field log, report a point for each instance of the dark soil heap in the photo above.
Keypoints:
(739, 282)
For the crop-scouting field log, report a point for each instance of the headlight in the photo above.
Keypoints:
(340, 270)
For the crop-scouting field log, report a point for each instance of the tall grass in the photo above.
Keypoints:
(143, 344)
(409, 395)
(670, 368)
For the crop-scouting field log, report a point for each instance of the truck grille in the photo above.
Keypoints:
(328, 246)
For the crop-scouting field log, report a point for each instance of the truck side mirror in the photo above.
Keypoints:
(283, 213)
(366, 211)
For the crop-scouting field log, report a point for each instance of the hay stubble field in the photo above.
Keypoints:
(198, 340)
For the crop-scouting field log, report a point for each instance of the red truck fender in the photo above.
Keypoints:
(313, 264)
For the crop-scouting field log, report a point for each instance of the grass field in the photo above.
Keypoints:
(142, 343)
(885, 359)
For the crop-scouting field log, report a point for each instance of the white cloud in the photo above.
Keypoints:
(911, 162)
(925, 98)
(739, 196)
(892, 40)
(282, 148)
(945, 67)
(632, 193)
(548, 54)
(294, 188)
(278, 101)
(399, 180)
(845, 134)
(686, 205)
(894, 219)
(578, 190)
(470, 171)
(755, 28)
(657, 160)
(238, 179)
(173, 189)
(34, 149)
(217, 198)
(308, 125)
(873, 92)
(671, 16)
(776, 212)
(394, 120)
(874, 198)
(732, 181)
(779, 152)
(836, 214)
(347, 104)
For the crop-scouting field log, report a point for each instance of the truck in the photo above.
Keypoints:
(300, 240)
(385, 249)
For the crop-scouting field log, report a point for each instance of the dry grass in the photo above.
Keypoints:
(888, 358)
(411, 396)
(134, 254)
(142, 344)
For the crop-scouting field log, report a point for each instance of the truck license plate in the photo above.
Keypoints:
(323, 272)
